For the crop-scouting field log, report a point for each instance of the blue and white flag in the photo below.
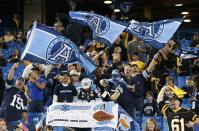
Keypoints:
(103, 28)
(46, 46)
(156, 33)
(188, 53)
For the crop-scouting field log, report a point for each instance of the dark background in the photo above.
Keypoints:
(160, 9)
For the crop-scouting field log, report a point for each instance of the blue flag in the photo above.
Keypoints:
(156, 33)
(188, 52)
(103, 28)
(46, 46)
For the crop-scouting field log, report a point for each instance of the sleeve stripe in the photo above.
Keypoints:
(8, 86)
(194, 117)
(164, 108)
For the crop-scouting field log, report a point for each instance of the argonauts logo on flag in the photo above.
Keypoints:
(46, 46)
(60, 51)
(145, 30)
(106, 30)
(156, 33)
(99, 24)
(103, 28)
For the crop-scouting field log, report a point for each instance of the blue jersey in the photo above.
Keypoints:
(14, 103)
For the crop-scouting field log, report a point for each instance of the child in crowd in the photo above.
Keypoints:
(150, 106)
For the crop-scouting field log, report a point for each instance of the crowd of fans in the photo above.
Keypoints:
(129, 72)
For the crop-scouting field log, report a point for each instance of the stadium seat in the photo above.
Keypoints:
(188, 105)
(165, 126)
(181, 81)
(138, 117)
(159, 120)
(33, 119)
(196, 128)
(185, 101)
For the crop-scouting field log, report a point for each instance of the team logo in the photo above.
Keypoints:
(99, 24)
(102, 116)
(147, 31)
(60, 50)
(103, 113)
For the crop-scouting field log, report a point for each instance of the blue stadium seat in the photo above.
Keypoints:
(11, 45)
(181, 81)
(138, 117)
(188, 105)
(159, 120)
(185, 101)
(9, 65)
(4, 76)
(165, 125)
(196, 128)
(18, 72)
(33, 119)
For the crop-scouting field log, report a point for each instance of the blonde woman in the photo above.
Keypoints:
(151, 125)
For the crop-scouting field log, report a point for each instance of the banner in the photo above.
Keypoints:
(103, 28)
(156, 33)
(83, 115)
(46, 46)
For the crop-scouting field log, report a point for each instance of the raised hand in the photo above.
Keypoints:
(16, 65)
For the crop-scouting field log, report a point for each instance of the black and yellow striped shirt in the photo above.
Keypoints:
(177, 119)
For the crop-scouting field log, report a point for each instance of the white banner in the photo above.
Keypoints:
(83, 115)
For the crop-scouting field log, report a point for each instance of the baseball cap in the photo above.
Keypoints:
(115, 73)
(189, 78)
(74, 72)
(86, 83)
(22, 126)
(65, 73)
(21, 78)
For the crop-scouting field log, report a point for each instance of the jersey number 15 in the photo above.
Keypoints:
(17, 102)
